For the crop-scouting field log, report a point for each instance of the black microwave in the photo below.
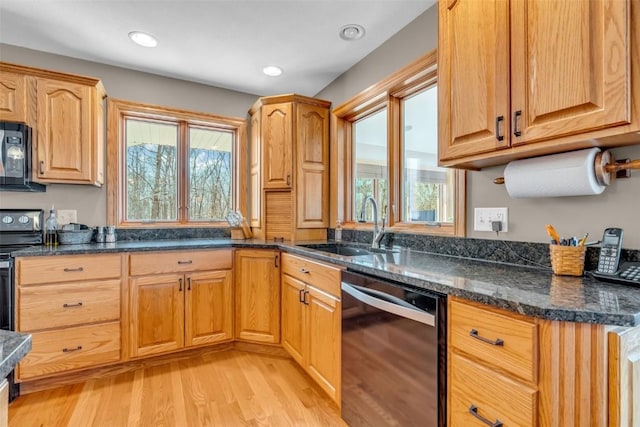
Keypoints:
(15, 158)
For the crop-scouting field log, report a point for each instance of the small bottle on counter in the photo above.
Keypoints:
(338, 232)
(51, 229)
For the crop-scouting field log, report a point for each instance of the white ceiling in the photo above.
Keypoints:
(223, 43)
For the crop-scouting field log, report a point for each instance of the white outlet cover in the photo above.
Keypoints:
(482, 218)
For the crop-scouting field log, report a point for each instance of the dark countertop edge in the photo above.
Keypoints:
(559, 314)
(20, 350)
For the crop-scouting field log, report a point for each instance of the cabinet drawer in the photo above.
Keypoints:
(471, 328)
(179, 261)
(53, 306)
(322, 276)
(67, 268)
(71, 348)
(474, 388)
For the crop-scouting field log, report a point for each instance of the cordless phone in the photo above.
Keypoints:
(610, 251)
(628, 273)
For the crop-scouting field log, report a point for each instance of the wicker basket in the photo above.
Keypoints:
(567, 260)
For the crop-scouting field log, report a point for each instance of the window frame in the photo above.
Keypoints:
(118, 110)
(387, 93)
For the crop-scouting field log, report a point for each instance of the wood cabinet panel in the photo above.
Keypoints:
(179, 261)
(494, 397)
(323, 353)
(474, 106)
(13, 97)
(257, 295)
(571, 67)
(59, 305)
(67, 268)
(255, 176)
(292, 320)
(64, 130)
(277, 134)
(624, 382)
(157, 314)
(322, 276)
(312, 174)
(71, 348)
(209, 308)
(518, 349)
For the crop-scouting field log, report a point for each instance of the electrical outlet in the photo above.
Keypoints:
(66, 216)
(483, 217)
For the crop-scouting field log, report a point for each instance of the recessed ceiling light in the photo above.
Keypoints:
(351, 32)
(272, 70)
(143, 39)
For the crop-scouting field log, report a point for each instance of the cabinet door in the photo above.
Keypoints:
(293, 331)
(571, 67)
(157, 314)
(208, 307)
(257, 294)
(64, 131)
(254, 180)
(312, 160)
(323, 345)
(276, 140)
(473, 77)
(13, 97)
(624, 382)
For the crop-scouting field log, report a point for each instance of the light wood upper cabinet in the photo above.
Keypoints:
(66, 112)
(276, 145)
(257, 295)
(13, 97)
(289, 167)
(521, 79)
(312, 163)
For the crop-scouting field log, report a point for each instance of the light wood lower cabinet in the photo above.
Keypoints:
(4, 405)
(71, 305)
(172, 311)
(311, 317)
(257, 295)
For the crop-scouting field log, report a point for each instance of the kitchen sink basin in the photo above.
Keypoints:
(344, 250)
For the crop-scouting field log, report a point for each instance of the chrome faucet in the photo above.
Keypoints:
(378, 233)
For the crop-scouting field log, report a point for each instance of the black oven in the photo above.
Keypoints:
(19, 228)
(15, 158)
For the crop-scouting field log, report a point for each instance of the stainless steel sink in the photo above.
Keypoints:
(346, 250)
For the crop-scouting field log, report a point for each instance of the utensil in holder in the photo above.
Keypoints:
(567, 260)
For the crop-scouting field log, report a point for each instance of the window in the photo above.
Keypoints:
(387, 140)
(173, 168)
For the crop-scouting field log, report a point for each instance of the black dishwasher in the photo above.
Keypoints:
(393, 353)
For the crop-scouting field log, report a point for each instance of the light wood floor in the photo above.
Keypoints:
(229, 388)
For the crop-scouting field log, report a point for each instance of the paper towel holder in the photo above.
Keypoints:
(606, 168)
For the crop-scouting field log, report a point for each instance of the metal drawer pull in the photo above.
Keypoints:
(304, 298)
(69, 350)
(69, 270)
(189, 284)
(516, 119)
(185, 262)
(304, 270)
(498, 120)
(301, 295)
(473, 410)
(41, 167)
(475, 335)
(78, 304)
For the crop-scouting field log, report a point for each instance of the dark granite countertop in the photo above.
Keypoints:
(531, 291)
(14, 346)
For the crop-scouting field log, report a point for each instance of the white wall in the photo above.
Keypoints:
(618, 206)
(91, 202)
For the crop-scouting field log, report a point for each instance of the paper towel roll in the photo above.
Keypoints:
(558, 175)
